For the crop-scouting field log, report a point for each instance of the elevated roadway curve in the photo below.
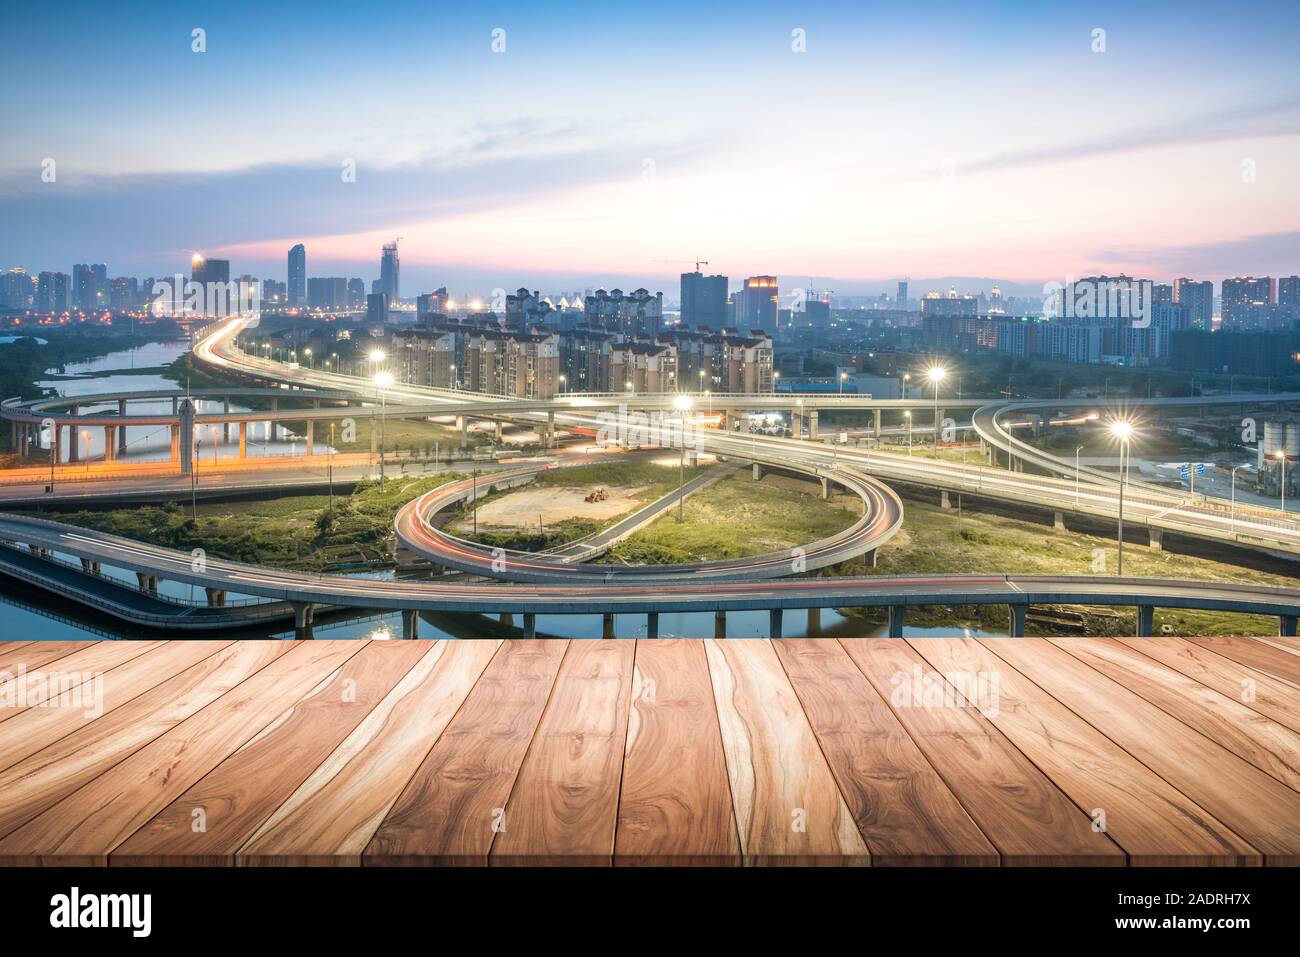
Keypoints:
(304, 590)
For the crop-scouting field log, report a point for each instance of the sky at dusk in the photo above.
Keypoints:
(908, 140)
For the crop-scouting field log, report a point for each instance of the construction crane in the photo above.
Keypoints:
(698, 262)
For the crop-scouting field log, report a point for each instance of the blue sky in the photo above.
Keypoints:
(921, 140)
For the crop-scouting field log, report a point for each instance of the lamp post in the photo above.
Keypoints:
(936, 375)
(307, 353)
(1076, 475)
(1122, 431)
(329, 468)
(908, 416)
(1281, 457)
(907, 376)
(562, 381)
(383, 379)
(683, 404)
(843, 376)
(85, 436)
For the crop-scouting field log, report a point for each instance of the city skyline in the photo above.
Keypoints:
(572, 158)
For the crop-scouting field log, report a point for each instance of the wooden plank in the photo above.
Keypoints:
(564, 805)
(89, 823)
(331, 817)
(33, 655)
(901, 806)
(76, 677)
(1025, 815)
(1261, 657)
(1155, 823)
(1259, 808)
(38, 728)
(675, 805)
(245, 789)
(448, 810)
(31, 785)
(1267, 745)
(788, 807)
(1270, 696)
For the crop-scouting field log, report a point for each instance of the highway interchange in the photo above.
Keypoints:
(538, 585)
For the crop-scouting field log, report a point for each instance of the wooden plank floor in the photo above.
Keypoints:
(882, 752)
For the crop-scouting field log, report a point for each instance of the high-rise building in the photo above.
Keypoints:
(389, 272)
(704, 300)
(297, 275)
(356, 293)
(1244, 302)
(53, 292)
(1288, 294)
(327, 293)
(377, 307)
(90, 290)
(900, 298)
(212, 276)
(1197, 299)
(636, 314)
(124, 293)
(17, 290)
(756, 305)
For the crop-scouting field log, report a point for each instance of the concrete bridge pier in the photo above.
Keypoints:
(896, 620)
(812, 424)
(550, 430)
(302, 615)
(1145, 620)
(652, 624)
(1018, 614)
(607, 625)
(148, 583)
(310, 435)
(410, 624)
(216, 597)
(507, 619)
(774, 622)
(225, 426)
(530, 625)
(796, 424)
(90, 566)
(826, 490)
(110, 443)
(814, 620)
(719, 624)
(1058, 521)
(1286, 626)
(758, 472)
(243, 440)
(876, 424)
(462, 423)
(500, 431)
(74, 443)
(943, 500)
(1157, 538)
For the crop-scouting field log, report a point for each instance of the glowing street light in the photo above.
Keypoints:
(1122, 431)
(682, 404)
(383, 379)
(843, 376)
(936, 375)
(907, 377)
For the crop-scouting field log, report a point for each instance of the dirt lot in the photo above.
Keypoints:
(553, 504)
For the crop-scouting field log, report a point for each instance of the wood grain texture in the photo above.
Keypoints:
(902, 807)
(80, 673)
(1263, 811)
(331, 817)
(245, 789)
(89, 823)
(675, 806)
(1027, 817)
(32, 784)
(1270, 696)
(1154, 823)
(564, 805)
(33, 655)
(1256, 654)
(447, 813)
(788, 807)
(1267, 745)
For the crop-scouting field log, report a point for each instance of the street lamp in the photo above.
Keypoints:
(683, 405)
(453, 377)
(383, 379)
(936, 375)
(843, 376)
(562, 381)
(1122, 430)
(908, 415)
(907, 377)
(85, 435)
(307, 353)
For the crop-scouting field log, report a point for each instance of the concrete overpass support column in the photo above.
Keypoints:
(110, 443)
(796, 424)
(814, 620)
(56, 444)
(462, 423)
(243, 440)
(1286, 626)
(216, 597)
(812, 424)
(1018, 613)
(410, 624)
(607, 625)
(896, 620)
(1058, 521)
(530, 625)
(500, 431)
(876, 425)
(1157, 538)
(74, 445)
(90, 566)
(302, 615)
(870, 558)
(774, 618)
(719, 624)
(225, 426)
(507, 619)
(826, 490)
(550, 430)
(758, 472)
(943, 500)
(175, 400)
(652, 624)
(148, 583)
(1145, 620)
(311, 435)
